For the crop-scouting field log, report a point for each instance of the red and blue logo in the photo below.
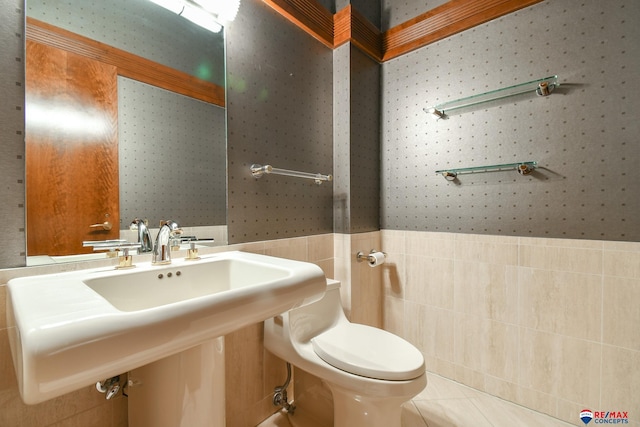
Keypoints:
(586, 416)
(604, 417)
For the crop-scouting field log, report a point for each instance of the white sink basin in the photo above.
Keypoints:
(69, 330)
(154, 287)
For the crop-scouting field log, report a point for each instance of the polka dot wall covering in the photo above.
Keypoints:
(364, 147)
(395, 12)
(172, 152)
(280, 113)
(341, 140)
(584, 135)
(12, 191)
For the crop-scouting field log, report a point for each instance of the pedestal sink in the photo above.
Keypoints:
(69, 330)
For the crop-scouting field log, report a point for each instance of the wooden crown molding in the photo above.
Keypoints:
(351, 25)
(309, 15)
(348, 25)
(443, 21)
(127, 64)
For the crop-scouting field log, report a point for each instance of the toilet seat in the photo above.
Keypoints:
(369, 352)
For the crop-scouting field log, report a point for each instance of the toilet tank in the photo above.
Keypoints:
(312, 319)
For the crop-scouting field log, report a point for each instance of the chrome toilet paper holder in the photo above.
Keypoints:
(370, 258)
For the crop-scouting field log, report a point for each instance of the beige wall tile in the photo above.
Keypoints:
(366, 281)
(415, 330)
(621, 246)
(486, 346)
(554, 258)
(469, 377)
(327, 266)
(393, 316)
(445, 368)
(561, 243)
(320, 247)
(366, 295)
(621, 312)
(295, 248)
(557, 365)
(393, 241)
(429, 281)
(430, 330)
(501, 388)
(621, 381)
(540, 358)
(493, 251)
(487, 238)
(254, 247)
(622, 264)
(393, 275)
(426, 244)
(342, 268)
(486, 290)
(501, 350)
(579, 358)
(564, 303)
(536, 400)
(439, 329)
(470, 335)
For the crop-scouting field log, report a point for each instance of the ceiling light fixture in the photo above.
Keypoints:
(208, 14)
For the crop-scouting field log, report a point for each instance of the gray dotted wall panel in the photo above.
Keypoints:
(341, 139)
(12, 192)
(172, 152)
(142, 28)
(280, 113)
(356, 141)
(584, 135)
(364, 122)
(395, 12)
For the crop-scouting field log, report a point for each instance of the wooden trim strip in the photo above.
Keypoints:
(342, 27)
(349, 25)
(309, 15)
(366, 36)
(444, 21)
(127, 64)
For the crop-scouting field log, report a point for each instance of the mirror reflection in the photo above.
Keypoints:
(125, 119)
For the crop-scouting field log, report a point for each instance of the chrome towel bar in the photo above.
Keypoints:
(258, 170)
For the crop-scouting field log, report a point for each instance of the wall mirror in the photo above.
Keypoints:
(125, 118)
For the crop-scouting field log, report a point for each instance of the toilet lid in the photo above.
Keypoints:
(369, 352)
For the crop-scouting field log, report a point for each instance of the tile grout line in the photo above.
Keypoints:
(601, 324)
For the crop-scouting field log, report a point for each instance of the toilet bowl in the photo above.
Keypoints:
(369, 371)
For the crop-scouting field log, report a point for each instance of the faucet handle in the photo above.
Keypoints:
(104, 244)
(192, 252)
(125, 260)
(136, 221)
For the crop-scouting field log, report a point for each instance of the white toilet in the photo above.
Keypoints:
(369, 371)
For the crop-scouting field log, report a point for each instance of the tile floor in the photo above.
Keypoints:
(445, 403)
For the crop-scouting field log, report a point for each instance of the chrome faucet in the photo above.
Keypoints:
(144, 236)
(162, 248)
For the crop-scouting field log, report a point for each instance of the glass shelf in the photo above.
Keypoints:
(523, 168)
(542, 87)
